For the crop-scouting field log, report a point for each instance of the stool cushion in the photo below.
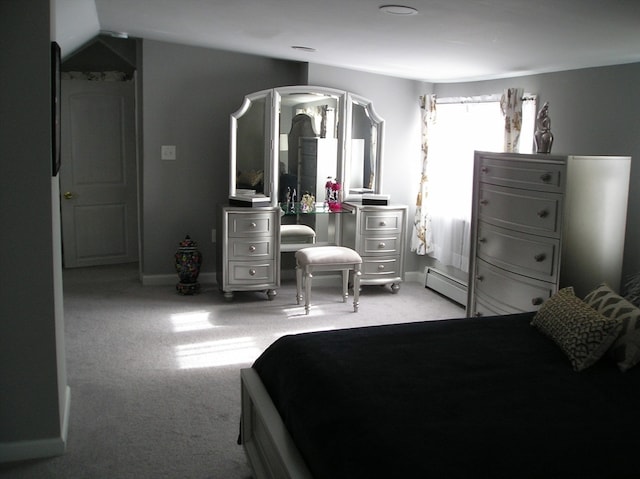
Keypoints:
(327, 255)
(288, 231)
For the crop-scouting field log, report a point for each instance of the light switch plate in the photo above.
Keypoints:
(168, 152)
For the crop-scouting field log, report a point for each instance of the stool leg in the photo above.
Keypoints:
(345, 285)
(298, 283)
(307, 289)
(356, 287)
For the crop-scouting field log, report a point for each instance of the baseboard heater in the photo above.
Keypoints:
(446, 285)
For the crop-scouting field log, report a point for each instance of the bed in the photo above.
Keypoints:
(460, 398)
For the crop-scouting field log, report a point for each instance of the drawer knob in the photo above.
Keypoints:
(484, 169)
(252, 272)
(381, 267)
(381, 245)
(252, 225)
(478, 314)
(543, 214)
(537, 301)
(482, 240)
(480, 278)
(484, 202)
(252, 248)
(546, 177)
(383, 223)
(540, 257)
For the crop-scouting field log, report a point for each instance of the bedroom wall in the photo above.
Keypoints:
(188, 94)
(33, 389)
(593, 111)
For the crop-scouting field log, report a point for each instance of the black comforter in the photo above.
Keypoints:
(463, 398)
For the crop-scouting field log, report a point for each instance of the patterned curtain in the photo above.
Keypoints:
(421, 239)
(511, 105)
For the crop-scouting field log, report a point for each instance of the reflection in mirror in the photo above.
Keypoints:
(250, 149)
(308, 151)
(362, 166)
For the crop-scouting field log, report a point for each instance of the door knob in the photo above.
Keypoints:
(68, 195)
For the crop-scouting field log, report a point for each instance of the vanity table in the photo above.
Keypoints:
(286, 143)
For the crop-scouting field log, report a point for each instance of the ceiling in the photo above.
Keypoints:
(446, 41)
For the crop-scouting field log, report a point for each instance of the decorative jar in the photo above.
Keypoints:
(188, 262)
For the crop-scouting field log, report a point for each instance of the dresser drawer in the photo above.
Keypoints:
(379, 245)
(510, 291)
(250, 273)
(381, 222)
(533, 175)
(250, 224)
(250, 248)
(528, 211)
(534, 256)
(483, 308)
(381, 267)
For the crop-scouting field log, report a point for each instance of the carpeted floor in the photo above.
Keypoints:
(154, 376)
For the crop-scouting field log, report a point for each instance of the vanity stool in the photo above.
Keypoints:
(327, 258)
(291, 236)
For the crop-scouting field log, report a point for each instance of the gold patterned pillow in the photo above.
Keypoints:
(626, 349)
(582, 333)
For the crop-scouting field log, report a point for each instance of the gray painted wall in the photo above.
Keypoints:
(32, 372)
(593, 111)
(188, 95)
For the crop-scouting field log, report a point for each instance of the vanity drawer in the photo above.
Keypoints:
(382, 222)
(528, 211)
(250, 248)
(533, 175)
(252, 224)
(534, 256)
(379, 268)
(250, 273)
(512, 291)
(380, 245)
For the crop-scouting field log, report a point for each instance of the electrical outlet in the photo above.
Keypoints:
(168, 152)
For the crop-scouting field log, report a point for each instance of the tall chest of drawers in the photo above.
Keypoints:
(248, 250)
(542, 222)
(378, 234)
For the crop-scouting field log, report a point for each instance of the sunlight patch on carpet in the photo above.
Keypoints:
(217, 353)
(193, 321)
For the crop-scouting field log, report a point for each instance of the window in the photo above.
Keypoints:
(462, 126)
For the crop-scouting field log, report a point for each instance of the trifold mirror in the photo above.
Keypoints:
(287, 141)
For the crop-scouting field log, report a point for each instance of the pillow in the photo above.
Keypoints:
(251, 177)
(626, 349)
(632, 289)
(582, 333)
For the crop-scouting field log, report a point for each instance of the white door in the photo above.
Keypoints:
(98, 180)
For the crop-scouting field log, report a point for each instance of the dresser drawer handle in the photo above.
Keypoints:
(540, 257)
(480, 278)
(252, 249)
(482, 240)
(546, 177)
(252, 272)
(484, 202)
(253, 225)
(478, 314)
(537, 301)
(383, 223)
(484, 169)
(543, 214)
(381, 245)
(381, 267)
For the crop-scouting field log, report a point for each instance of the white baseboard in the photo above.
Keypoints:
(39, 448)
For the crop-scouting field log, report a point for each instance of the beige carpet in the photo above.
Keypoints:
(154, 376)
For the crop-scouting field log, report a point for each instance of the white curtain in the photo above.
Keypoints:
(421, 240)
(511, 106)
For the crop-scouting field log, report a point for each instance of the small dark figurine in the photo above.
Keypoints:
(543, 136)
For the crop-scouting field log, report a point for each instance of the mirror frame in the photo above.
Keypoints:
(378, 122)
(270, 181)
(273, 100)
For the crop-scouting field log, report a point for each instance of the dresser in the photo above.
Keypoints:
(378, 234)
(248, 250)
(542, 222)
